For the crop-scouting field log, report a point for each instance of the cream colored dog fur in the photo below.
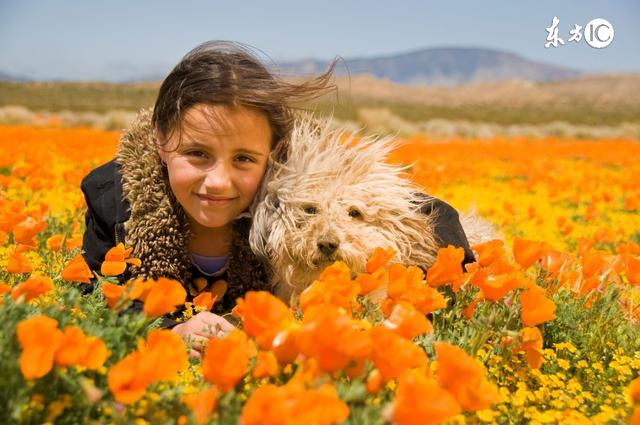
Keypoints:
(336, 199)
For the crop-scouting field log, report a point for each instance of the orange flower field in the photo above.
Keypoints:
(543, 328)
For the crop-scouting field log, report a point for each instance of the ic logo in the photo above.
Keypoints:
(598, 33)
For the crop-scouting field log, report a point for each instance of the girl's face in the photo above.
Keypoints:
(219, 162)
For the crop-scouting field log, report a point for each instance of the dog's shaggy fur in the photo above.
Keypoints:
(336, 199)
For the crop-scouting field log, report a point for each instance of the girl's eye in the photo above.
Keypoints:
(354, 213)
(310, 210)
(196, 154)
(244, 158)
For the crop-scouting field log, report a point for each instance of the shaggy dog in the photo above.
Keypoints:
(336, 198)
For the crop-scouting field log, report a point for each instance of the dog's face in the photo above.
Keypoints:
(333, 201)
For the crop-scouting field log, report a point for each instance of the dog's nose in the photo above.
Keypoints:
(327, 247)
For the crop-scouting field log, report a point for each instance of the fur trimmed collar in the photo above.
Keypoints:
(158, 229)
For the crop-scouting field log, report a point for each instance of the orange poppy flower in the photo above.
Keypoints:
(78, 349)
(267, 405)
(226, 359)
(26, 230)
(536, 307)
(528, 252)
(406, 284)
(632, 269)
(531, 344)
(393, 355)
(203, 404)
(263, 315)
(18, 263)
(370, 282)
(419, 400)
(116, 259)
(77, 270)
(293, 404)
(407, 322)
(553, 261)
(634, 390)
(464, 377)
(112, 293)
(494, 288)
(334, 286)
(39, 338)
(32, 288)
(54, 243)
(594, 262)
(204, 301)
(379, 259)
(266, 365)
(489, 252)
(163, 297)
(218, 289)
(4, 288)
(329, 335)
(159, 358)
(447, 267)
(285, 344)
(374, 381)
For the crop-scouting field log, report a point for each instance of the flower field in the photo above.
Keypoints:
(543, 328)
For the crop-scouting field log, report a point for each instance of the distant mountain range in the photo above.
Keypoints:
(442, 66)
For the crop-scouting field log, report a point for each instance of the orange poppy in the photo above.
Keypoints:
(489, 252)
(54, 243)
(77, 270)
(218, 289)
(330, 336)
(263, 315)
(204, 301)
(203, 404)
(285, 344)
(494, 288)
(536, 307)
(393, 355)
(379, 259)
(634, 390)
(464, 377)
(334, 286)
(163, 297)
(26, 230)
(116, 259)
(39, 338)
(420, 400)
(4, 288)
(632, 269)
(528, 252)
(531, 344)
(112, 293)
(374, 381)
(159, 358)
(370, 282)
(594, 262)
(266, 365)
(447, 267)
(406, 284)
(266, 406)
(18, 263)
(407, 322)
(32, 288)
(78, 349)
(317, 407)
(226, 359)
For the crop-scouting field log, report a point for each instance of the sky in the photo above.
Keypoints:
(92, 40)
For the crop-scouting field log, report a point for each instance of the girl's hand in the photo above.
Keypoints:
(197, 331)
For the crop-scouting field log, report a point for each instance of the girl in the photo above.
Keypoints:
(184, 177)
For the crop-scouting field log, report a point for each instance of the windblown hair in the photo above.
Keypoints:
(225, 73)
(336, 198)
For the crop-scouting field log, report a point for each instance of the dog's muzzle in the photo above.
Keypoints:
(328, 247)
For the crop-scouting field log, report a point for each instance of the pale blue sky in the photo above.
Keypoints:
(87, 39)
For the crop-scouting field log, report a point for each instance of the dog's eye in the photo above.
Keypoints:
(354, 213)
(310, 209)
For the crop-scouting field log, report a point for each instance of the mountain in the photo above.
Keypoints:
(442, 66)
(4, 76)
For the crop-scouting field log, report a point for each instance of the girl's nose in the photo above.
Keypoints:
(218, 178)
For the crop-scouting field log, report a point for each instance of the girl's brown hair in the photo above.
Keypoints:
(228, 73)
